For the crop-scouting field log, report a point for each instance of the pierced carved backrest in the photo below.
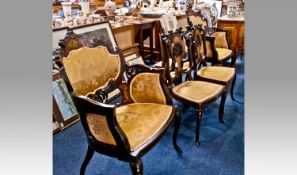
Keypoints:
(177, 50)
(91, 69)
(70, 42)
(198, 19)
(199, 44)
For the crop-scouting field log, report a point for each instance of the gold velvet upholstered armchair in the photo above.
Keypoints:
(215, 74)
(194, 93)
(128, 130)
(217, 47)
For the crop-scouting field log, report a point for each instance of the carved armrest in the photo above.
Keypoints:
(87, 106)
(126, 99)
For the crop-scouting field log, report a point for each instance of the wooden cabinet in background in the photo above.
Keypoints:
(235, 28)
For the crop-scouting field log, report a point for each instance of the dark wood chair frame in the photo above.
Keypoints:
(177, 50)
(96, 104)
(199, 61)
(207, 32)
(169, 53)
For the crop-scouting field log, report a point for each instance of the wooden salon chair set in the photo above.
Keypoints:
(127, 131)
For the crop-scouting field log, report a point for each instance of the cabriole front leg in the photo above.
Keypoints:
(222, 104)
(232, 87)
(176, 129)
(198, 125)
(88, 157)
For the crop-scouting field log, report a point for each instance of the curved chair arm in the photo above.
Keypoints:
(211, 52)
(86, 105)
(126, 99)
(222, 39)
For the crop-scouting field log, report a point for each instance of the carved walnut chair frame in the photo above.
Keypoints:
(198, 58)
(182, 59)
(213, 38)
(94, 103)
(175, 45)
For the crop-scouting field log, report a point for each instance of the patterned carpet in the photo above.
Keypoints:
(221, 151)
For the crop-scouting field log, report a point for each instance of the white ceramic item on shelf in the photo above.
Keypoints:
(67, 8)
(109, 7)
(89, 18)
(80, 18)
(85, 6)
(68, 21)
(96, 18)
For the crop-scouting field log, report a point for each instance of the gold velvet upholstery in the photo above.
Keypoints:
(223, 53)
(139, 121)
(218, 73)
(198, 20)
(198, 91)
(220, 40)
(89, 69)
(146, 88)
(209, 53)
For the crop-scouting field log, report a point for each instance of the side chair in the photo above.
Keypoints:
(214, 74)
(194, 93)
(217, 52)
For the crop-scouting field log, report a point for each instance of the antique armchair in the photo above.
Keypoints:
(217, 47)
(128, 130)
(195, 93)
(215, 74)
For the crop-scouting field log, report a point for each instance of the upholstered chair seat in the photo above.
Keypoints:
(198, 91)
(224, 54)
(139, 121)
(217, 73)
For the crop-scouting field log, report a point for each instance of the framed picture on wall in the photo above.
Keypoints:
(64, 110)
(101, 30)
